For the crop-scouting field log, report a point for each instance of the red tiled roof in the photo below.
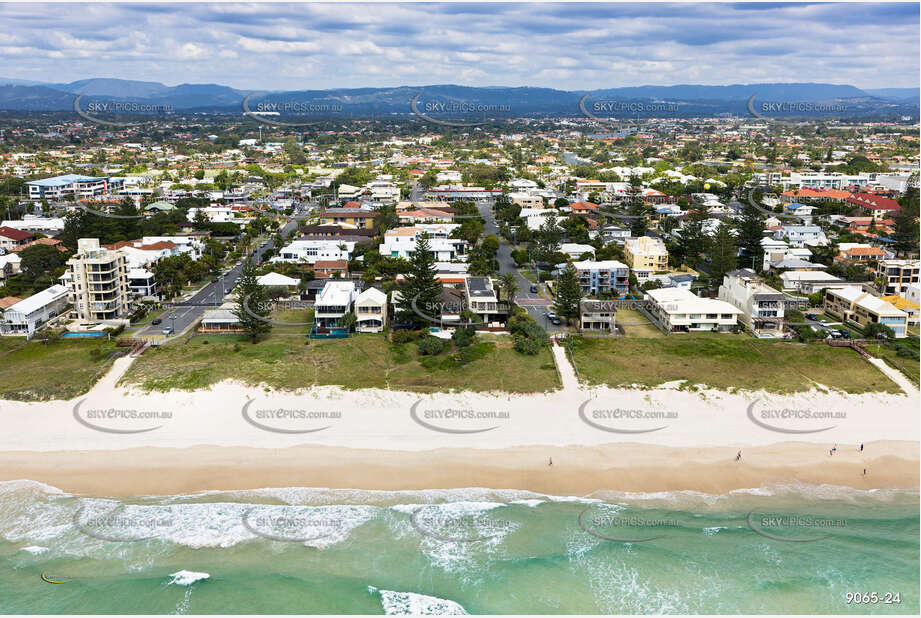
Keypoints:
(14, 234)
(51, 242)
(8, 301)
(873, 202)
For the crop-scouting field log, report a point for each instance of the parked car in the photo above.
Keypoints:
(812, 316)
(533, 289)
(156, 321)
(168, 331)
(554, 318)
(844, 334)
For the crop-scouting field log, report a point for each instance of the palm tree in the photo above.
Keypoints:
(509, 284)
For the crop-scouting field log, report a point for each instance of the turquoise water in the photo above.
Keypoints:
(299, 550)
(88, 335)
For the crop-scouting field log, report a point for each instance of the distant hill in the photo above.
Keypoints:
(689, 99)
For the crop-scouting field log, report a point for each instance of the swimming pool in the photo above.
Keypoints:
(86, 335)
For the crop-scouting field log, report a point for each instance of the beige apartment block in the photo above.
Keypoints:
(97, 279)
(646, 253)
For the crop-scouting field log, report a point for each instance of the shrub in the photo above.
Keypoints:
(527, 345)
(463, 337)
(404, 336)
(431, 346)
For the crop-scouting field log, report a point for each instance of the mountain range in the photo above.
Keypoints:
(685, 99)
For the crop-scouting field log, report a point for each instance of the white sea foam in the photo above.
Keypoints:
(186, 578)
(35, 549)
(414, 604)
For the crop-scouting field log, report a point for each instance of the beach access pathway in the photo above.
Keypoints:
(568, 379)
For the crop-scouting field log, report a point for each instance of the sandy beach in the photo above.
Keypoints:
(576, 470)
(114, 441)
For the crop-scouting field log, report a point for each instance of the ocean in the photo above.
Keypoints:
(779, 549)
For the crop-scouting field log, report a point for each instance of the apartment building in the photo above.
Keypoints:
(646, 253)
(681, 311)
(28, 315)
(863, 309)
(80, 187)
(762, 306)
(97, 280)
(604, 277)
(482, 300)
(898, 275)
(336, 299)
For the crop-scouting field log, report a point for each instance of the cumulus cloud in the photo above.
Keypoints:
(566, 46)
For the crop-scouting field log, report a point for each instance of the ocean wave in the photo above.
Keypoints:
(414, 604)
(186, 578)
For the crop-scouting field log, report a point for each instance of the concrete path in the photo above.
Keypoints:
(895, 375)
(567, 372)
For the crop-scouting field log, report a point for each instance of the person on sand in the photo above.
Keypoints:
(739, 455)
(551, 462)
(864, 471)
(861, 447)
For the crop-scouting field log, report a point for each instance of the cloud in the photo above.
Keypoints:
(567, 46)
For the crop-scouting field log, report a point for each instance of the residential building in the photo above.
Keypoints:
(334, 269)
(901, 303)
(371, 311)
(863, 309)
(222, 320)
(482, 300)
(97, 279)
(336, 299)
(898, 274)
(762, 306)
(646, 253)
(680, 311)
(81, 187)
(811, 281)
(142, 283)
(876, 206)
(310, 250)
(401, 242)
(596, 315)
(802, 235)
(575, 250)
(28, 315)
(526, 200)
(37, 225)
(11, 239)
(9, 265)
(604, 277)
(355, 218)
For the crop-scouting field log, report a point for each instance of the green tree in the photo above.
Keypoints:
(421, 291)
(723, 253)
(40, 261)
(691, 238)
(750, 232)
(252, 308)
(508, 283)
(905, 236)
(568, 293)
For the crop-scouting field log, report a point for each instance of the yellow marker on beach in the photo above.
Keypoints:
(50, 581)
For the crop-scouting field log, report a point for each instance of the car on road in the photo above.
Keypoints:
(168, 331)
(533, 289)
(156, 321)
(554, 318)
(812, 316)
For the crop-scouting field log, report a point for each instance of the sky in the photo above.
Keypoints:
(565, 46)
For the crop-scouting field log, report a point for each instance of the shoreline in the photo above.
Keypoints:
(576, 470)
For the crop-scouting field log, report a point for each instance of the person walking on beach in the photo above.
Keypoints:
(739, 455)
(864, 471)
(551, 462)
(861, 447)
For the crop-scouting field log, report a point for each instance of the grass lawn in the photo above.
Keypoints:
(34, 371)
(635, 324)
(283, 360)
(724, 361)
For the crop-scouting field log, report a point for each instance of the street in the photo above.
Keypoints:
(535, 305)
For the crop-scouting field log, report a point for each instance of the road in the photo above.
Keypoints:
(535, 305)
(211, 295)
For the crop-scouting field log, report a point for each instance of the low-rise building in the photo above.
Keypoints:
(310, 250)
(681, 311)
(604, 277)
(28, 315)
(646, 253)
(898, 275)
(81, 187)
(596, 315)
(371, 311)
(762, 306)
(811, 281)
(336, 299)
(348, 218)
(482, 300)
(863, 309)
(11, 238)
(401, 242)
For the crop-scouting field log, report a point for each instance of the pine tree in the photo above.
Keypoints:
(723, 253)
(420, 294)
(691, 238)
(750, 232)
(252, 308)
(568, 293)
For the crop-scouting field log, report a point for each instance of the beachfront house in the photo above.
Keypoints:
(371, 311)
